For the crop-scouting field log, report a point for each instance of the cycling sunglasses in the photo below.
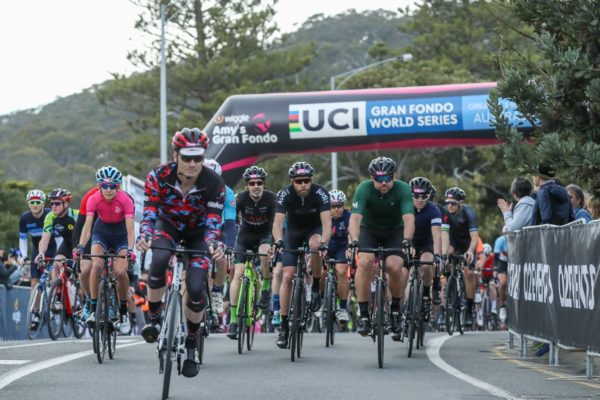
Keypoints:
(383, 178)
(108, 186)
(302, 181)
(452, 203)
(187, 159)
(420, 196)
(56, 203)
(35, 202)
(256, 183)
(337, 206)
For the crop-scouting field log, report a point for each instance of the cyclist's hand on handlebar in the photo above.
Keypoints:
(217, 250)
(131, 256)
(469, 257)
(78, 252)
(40, 258)
(323, 249)
(278, 246)
(408, 248)
(144, 243)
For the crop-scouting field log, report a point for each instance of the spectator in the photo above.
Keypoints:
(25, 279)
(578, 201)
(552, 205)
(594, 205)
(515, 218)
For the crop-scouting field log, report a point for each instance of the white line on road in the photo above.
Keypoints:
(14, 362)
(16, 346)
(12, 376)
(433, 353)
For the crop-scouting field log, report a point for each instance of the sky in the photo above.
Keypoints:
(55, 48)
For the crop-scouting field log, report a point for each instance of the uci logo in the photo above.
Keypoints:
(327, 120)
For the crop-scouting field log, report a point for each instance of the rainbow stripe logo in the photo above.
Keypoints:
(294, 121)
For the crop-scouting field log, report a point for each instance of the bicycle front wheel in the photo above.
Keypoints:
(171, 318)
(380, 321)
(451, 299)
(77, 322)
(37, 300)
(242, 315)
(252, 316)
(329, 312)
(56, 312)
(101, 324)
(113, 307)
(460, 308)
(412, 315)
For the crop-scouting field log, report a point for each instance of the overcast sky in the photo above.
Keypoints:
(59, 47)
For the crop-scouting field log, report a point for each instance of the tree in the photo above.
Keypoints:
(558, 94)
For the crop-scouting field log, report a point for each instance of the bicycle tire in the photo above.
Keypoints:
(380, 326)
(33, 333)
(485, 313)
(450, 304)
(171, 318)
(242, 311)
(253, 307)
(77, 322)
(113, 303)
(55, 317)
(461, 309)
(101, 326)
(67, 320)
(293, 319)
(412, 315)
(201, 339)
(304, 312)
(328, 312)
(419, 323)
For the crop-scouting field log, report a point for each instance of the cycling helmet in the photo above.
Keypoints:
(487, 249)
(192, 141)
(60, 194)
(382, 166)
(254, 172)
(109, 174)
(213, 164)
(337, 197)
(301, 168)
(36, 194)
(420, 185)
(455, 193)
(433, 193)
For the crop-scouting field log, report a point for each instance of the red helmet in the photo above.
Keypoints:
(188, 139)
(60, 194)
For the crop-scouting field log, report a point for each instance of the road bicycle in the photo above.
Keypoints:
(171, 340)
(65, 304)
(415, 321)
(455, 308)
(484, 308)
(247, 305)
(37, 309)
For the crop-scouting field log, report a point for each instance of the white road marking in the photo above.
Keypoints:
(19, 373)
(52, 342)
(14, 362)
(433, 353)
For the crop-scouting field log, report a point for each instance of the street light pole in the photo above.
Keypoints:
(407, 57)
(163, 88)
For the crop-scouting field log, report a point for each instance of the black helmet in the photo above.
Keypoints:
(433, 193)
(60, 194)
(254, 172)
(301, 168)
(382, 166)
(455, 193)
(420, 185)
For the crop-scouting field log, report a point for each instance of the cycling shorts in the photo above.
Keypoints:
(422, 248)
(250, 241)
(110, 236)
(294, 238)
(338, 253)
(372, 238)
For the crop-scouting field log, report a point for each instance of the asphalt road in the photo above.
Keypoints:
(473, 366)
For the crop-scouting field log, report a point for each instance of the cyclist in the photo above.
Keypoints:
(340, 219)
(184, 202)
(113, 229)
(306, 206)
(229, 232)
(382, 213)
(428, 237)
(256, 209)
(60, 222)
(31, 224)
(460, 235)
(487, 275)
(85, 263)
(501, 268)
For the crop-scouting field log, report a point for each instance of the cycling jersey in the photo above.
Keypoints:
(81, 221)
(200, 208)
(110, 211)
(425, 218)
(256, 217)
(303, 213)
(32, 226)
(488, 267)
(382, 211)
(63, 227)
(339, 231)
(460, 225)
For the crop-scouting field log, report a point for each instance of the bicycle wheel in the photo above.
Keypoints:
(304, 312)
(171, 317)
(252, 317)
(34, 303)
(77, 322)
(113, 305)
(101, 324)
(380, 319)
(203, 327)
(56, 313)
(329, 311)
(242, 314)
(460, 308)
(412, 315)
(450, 304)
(486, 312)
(294, 318)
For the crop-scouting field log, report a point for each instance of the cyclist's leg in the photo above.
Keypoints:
(427, 276)
(292, 240)
(363, 278)
(341, 272)
(275, 288)
(120, 266)
(265, 286)
(316, 267)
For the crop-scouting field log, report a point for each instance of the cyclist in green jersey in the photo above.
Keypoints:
(382, 214)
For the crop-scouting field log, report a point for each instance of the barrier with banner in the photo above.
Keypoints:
(553, 284)
(13, 314)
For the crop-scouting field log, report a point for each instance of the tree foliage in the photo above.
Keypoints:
(559, 93)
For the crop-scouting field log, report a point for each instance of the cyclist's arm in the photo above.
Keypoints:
(86, 231)
(436, 233)
(151, 204)
(23, 245)
(473, 244)
(408, 211)
(47, 233)
(354, 226)
(214, 215)
(278, 226)
(409, 225)
(130, 232)
(326, 226)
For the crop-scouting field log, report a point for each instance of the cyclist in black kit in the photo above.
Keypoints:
(306, 206)
(255, 208)
(460, 235)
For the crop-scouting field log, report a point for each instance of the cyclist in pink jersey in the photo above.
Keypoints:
(114, 230)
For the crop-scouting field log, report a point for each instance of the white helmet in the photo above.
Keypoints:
(36, 194)
(213, 164)
(337, 197)
(487, 249)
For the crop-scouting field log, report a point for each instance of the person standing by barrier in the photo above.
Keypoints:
(518, 216)
(552, 204)
(578, 201)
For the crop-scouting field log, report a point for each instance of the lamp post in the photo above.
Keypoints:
(407, 57)
(163, 87)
